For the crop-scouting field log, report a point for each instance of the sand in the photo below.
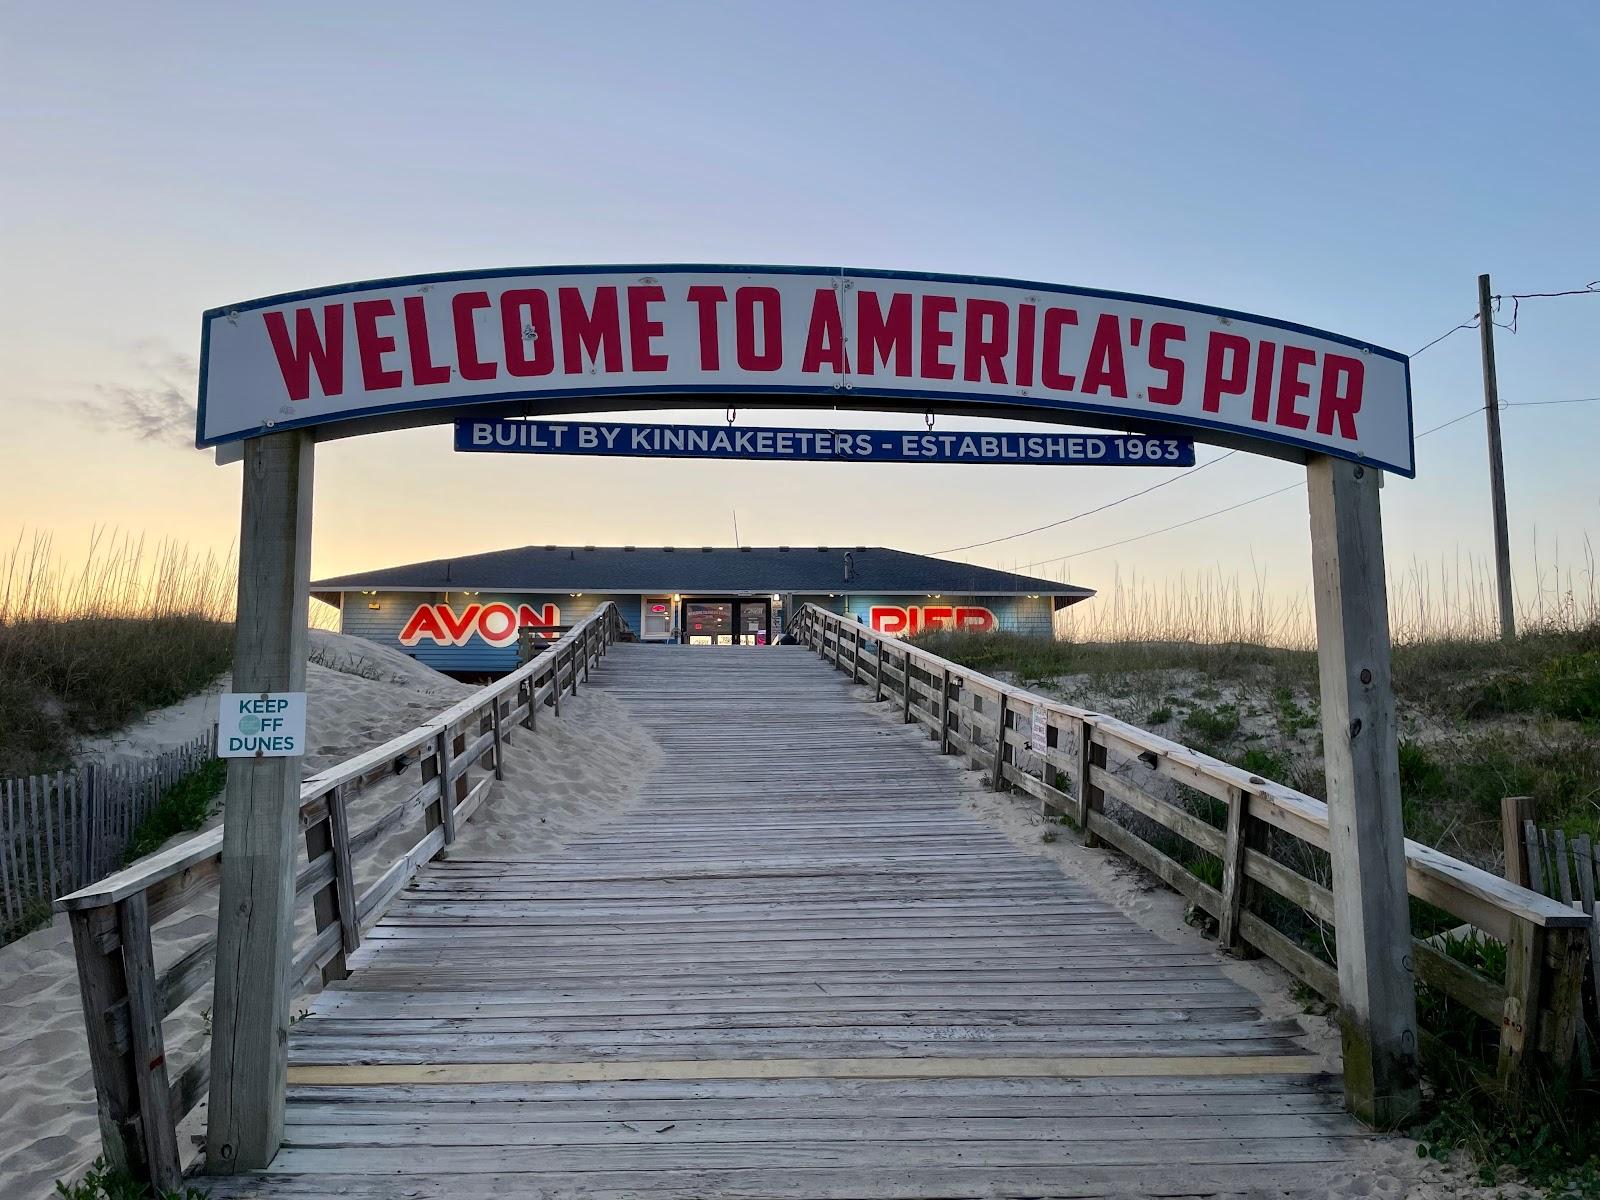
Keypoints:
(574, 774)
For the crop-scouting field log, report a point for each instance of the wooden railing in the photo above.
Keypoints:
(1271, 841)
(141, 1096)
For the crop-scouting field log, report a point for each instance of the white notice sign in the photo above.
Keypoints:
(1041, 736)
(261, 725)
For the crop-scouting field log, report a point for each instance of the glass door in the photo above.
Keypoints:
(754, 622)
(708, 622)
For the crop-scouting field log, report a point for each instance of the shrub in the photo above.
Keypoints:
(1212, 727)
(182, 807)
(101, 1182)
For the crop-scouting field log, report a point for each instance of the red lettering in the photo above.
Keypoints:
(770, 356)
(1261, 403)
(1291, 387)
(1105, 369)
(1225, 381)
(424, 623)
(528, 615)
(1025, 318)
(1055, 319)
(497, 624)
(642, 330)
(596, 331)
(879, 336)
(423, 369)
(938, 616)
(372, 345)
(885, 618)
(974, 620)
(1336, 405)
(936, 338)
(459, 628)
(986, 352)
(1163, 333)
(520, 331)
(306, 352)
(825, 335)
(462, 306)
(706, 299)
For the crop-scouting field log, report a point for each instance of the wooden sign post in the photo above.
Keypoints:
(255, 914)
(1377, 997)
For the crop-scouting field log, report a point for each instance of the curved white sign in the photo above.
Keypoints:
(864, 339)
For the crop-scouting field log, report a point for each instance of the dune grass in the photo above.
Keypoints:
(84, 652)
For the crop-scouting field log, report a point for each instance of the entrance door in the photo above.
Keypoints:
(754, 622)
(708, 622)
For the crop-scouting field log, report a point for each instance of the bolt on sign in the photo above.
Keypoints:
(261, 725)
(371, 353)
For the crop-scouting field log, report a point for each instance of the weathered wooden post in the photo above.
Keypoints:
(255, 914)
(1377, 997)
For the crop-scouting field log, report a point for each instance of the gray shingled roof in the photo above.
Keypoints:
(877, 570)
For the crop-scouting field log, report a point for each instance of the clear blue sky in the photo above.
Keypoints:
(1350, 167)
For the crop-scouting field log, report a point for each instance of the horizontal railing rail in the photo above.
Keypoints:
(1074, 760)
(141, 1097)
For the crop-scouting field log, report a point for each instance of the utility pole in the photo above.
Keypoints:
(1497, 466)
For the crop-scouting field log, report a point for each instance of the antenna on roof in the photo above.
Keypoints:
(736, 528)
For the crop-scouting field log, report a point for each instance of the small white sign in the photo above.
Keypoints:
(261, 725)
(1041, 726)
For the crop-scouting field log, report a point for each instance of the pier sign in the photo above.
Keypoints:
(538, 341)
(261, 725)
(785, 444)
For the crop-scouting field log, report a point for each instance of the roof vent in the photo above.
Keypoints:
(588, 547)
(861, 549)
(549, 547)
(745, 549)
(822, 549)
(783, 549)
(705, 549)
(629, 549)
(666, 549)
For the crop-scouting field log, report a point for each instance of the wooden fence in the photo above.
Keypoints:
(1265, 844)
(1565, 869)
(142, 1096)
(58, 832)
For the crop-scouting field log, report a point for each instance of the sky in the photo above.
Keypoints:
(1352, 168)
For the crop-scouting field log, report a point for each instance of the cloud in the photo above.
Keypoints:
(158, 407)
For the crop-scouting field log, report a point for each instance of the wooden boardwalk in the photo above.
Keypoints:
(798, 969)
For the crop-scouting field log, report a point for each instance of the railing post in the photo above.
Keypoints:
(443, 761)
(326, 902)
(499, 739)
(1234, 874)
(572, 665)
(877, 680)
(944, 713)
(1519, 1026)
(855, 654)
(588, 631)
(149, 1047)
(997, 769)
(102, 984)
(905, 691)
(1091, 799)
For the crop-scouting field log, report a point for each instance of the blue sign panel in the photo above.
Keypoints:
(622, 440)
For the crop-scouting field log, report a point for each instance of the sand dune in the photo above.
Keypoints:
(575, 773)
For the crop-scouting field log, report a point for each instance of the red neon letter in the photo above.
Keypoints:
(306, 351)
(886, 618)
(424, 623)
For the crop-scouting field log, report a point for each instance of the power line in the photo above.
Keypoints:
(1092, 511)
(1546, 403)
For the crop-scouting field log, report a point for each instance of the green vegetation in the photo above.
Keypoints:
(1159, 716)
(182, 808)
(1212, 727)
(101, 1182)
(83, 654)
